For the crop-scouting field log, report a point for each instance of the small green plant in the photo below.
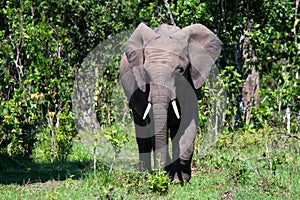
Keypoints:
(241, 173)
(159, 181)
(117, 137)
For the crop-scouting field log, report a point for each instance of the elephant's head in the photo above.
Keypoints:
(154, 63)
(157, 57)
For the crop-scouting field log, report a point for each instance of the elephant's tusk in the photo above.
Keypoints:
(175, 109)
(147, 111)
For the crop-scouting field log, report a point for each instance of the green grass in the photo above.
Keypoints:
(242, 166)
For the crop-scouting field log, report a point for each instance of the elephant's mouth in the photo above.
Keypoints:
(174, 106)
(162, 88)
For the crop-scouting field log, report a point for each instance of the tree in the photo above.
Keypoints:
(43, 44)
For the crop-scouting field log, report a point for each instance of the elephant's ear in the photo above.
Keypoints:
(134, 51)
(204, 48)
(127, 79)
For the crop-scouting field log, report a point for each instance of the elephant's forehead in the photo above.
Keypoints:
(166, 50)
(167, 44)
(164, 57)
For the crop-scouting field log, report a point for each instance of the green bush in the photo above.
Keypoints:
(159, 181)
(43, 44)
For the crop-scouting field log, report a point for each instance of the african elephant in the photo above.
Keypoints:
(160, 71)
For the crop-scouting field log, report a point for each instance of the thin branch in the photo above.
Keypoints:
(18, 47)
(169, 12)
(223, 14)
(251, 158)
(32, 12)
(295, 37)
(159, 13)
(295, 25)
(289, 136)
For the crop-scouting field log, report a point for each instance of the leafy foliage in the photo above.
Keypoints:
(256, 166)
(159, 181)
(43, 44)
(117, 136)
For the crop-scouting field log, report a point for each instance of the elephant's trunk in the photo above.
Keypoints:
(160, 103)
(161, 154)
(164, 94)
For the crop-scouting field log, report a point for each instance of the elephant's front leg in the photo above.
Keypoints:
(186, 145)
(144, 141)
(183, 138)
(183, 135)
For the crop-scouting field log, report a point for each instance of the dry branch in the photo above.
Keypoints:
(169, 12)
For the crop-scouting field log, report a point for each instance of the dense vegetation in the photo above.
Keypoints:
(249, 109)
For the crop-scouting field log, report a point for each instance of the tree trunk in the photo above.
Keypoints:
(251, 93)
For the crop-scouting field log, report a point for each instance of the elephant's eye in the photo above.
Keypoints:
(179, 69)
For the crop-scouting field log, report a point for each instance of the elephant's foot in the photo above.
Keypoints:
(181, 171)
(181, 177)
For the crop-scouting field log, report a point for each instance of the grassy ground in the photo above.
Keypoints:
(239, 166)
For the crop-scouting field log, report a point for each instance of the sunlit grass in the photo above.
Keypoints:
(260, 166)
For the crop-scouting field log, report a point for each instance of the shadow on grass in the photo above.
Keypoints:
(21, 171)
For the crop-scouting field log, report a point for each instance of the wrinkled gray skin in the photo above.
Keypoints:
(161, 66)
